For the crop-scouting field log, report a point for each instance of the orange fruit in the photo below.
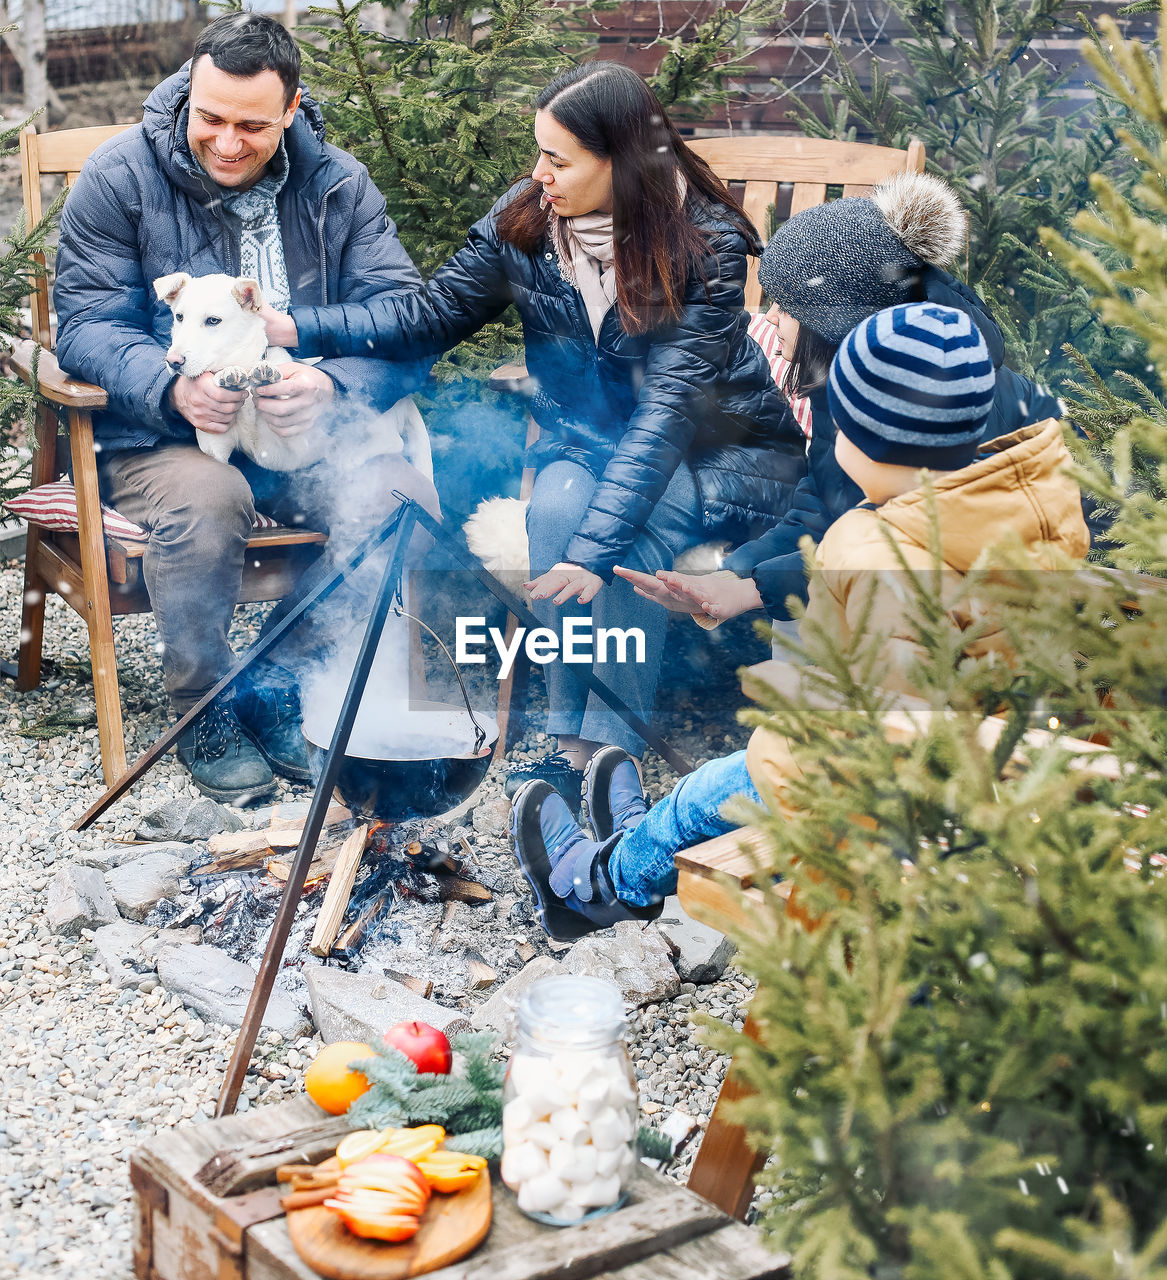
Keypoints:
(329, 1082)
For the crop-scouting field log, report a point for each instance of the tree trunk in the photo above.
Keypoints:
(36, 76)
(290, 15)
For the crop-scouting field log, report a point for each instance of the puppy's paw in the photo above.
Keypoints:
(264, 374)
(233, 378)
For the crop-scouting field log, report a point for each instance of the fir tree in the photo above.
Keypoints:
(996, 124)
(962, 1071)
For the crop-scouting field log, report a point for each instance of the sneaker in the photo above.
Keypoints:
(613, 796)
(556, 770)
(271, 716)
(222, 760)
(567, 871)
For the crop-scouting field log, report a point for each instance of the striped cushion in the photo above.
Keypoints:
(54, 506)
(766, 336)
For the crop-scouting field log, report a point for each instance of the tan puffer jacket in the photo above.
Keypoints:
(1020, 489)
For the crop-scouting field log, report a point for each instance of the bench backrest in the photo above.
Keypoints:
(810, 166)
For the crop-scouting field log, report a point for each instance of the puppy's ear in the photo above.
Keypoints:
(167, 288)
(247, 294)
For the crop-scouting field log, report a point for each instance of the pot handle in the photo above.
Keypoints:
(479, 731)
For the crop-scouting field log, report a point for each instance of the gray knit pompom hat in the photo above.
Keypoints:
(834, 265)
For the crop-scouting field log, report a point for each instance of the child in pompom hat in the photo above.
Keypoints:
(910, 388)
(825, 270)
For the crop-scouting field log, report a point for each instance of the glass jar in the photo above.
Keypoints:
(569, 1102)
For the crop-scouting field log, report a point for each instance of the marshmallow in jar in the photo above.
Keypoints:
(569, 1103)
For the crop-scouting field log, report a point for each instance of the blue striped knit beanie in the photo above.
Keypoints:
(913, 386)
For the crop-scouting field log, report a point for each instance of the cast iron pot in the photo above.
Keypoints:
(379, 787)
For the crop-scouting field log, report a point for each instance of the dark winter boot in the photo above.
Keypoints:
(222, 760)
(268, 707)
(612, 792)
(568, 873)
(556, 770)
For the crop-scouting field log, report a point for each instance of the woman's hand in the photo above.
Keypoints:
(281, 328)
(719, 596)
(564, 581)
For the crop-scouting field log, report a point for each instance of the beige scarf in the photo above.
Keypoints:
(587, 260)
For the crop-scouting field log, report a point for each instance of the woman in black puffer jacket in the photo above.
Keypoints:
(626, 259)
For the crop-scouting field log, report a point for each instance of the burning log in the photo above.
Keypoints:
(244, 860)
(354, 935)
(456, 889)
(340, 889)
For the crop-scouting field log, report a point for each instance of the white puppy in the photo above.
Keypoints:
(218, 329)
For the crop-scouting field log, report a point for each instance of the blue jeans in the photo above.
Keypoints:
(641, 865)
(563, 490)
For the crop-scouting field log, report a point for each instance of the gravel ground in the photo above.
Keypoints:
(90, 1071)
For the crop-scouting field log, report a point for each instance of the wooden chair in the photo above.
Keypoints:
(716, 884)
(98, 576)
(811, 168)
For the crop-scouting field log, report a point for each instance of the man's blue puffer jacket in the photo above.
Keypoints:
(774, 560)
(629, 408)
(142, 208)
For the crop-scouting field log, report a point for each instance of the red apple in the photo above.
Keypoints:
(425, 1046)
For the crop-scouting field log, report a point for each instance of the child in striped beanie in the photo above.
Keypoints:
(910, 388)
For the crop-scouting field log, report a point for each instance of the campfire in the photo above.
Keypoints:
(375, 899)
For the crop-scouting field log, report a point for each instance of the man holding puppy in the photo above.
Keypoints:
(228, 172)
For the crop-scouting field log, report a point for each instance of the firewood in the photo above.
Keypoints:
(241, 861)
(419, 986)
(280, 868)
(349, 942)
(456, 889)
(526, 952)
(464, 845)
(339, 891)
(481, 975)
(239, 841)
(335, 813)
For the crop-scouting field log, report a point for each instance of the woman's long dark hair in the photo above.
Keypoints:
(612, 113)
(810, 362)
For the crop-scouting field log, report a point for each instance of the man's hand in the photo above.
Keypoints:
(204, 404)
(719, 595)
(293, 405)
(564, 581)
(281, 328)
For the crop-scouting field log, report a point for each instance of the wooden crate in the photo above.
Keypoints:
(184, 1232)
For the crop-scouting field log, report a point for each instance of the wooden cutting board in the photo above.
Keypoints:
(451, 1227)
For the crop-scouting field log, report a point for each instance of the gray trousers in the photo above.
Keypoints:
(200, 513)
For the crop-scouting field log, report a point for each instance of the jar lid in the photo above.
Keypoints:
(570, 1009)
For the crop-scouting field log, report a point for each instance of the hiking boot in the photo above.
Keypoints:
(613, 796)
(568, 872)
(222, 760)
(556, 770)
(271, 715)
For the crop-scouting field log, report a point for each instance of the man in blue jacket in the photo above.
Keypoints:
(228, 172)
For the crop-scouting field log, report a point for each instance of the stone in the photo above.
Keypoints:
(136, 886)
(701, 953)
(497, 1013)
(111, 856)
(635, 958)
(187, 818)
(78, 898)
(218, 988)
(357, 1006)
(128, 952)
(493, 817)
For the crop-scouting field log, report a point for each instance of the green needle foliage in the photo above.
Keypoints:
(962, 1071)
(998, 126)
(468, 1105)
